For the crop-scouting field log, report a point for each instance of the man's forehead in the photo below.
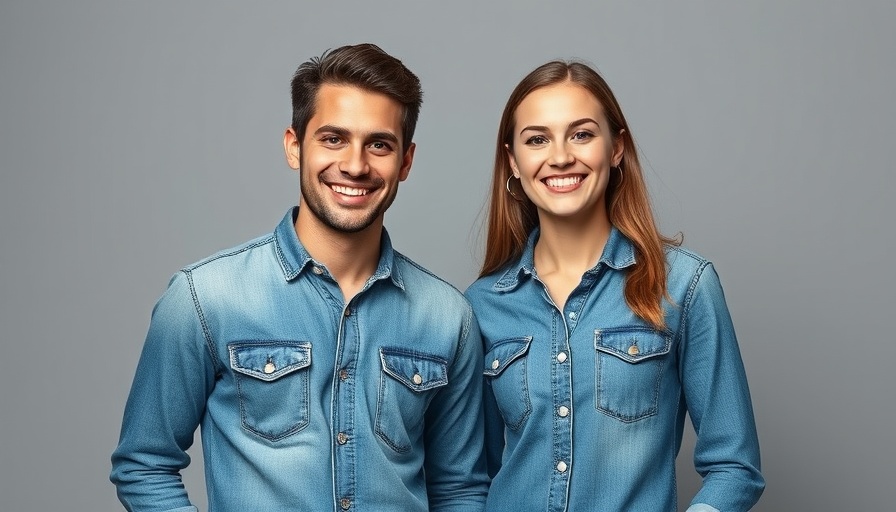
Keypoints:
(354, 107)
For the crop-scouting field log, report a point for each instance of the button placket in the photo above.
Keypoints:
(343, 410)
(561, 396)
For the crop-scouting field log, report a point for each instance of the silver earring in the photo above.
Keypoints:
(507, 186)
(619, 169)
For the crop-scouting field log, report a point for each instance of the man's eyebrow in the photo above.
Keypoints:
(345, 133)
(335, 130)
(578, 122)
(387, 136)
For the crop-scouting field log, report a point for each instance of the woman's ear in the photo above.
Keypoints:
(618, 148)
(512, 160)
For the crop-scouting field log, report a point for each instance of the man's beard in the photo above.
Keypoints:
(343, 220)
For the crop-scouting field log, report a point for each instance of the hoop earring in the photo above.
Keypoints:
(507, 186)
(621, 174)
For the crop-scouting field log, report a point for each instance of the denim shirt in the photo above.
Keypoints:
(585, 407)
(305, 402)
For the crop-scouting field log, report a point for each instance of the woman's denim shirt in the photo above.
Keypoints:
(305, 402)
(585, 407)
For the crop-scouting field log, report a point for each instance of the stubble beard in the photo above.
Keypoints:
(336, 218)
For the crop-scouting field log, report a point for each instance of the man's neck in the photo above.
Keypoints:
(351, 258)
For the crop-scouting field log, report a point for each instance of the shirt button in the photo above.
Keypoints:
(563, 411)
(317, 270)
(345, 503)
(561, 467)
(348, 312)
(561, 357)
(343, 374)
(495, 364)
(341, 438)
(418, 379)
(572, 315)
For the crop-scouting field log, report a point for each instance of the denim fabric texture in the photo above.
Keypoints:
(304, 402)
(585, 407)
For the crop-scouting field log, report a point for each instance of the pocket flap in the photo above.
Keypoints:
(632, 344)
(503, 353)
(415, 370)
(269, 360)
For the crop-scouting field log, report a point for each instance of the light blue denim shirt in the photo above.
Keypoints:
(304, 402)
(592, 399)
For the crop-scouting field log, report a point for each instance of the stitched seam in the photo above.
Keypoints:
(686, 308)
(206, 332)
(234, 252)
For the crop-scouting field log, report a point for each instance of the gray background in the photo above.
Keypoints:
(137, 137)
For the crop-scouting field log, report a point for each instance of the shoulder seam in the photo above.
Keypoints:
(209, 342)
(689, 296)
(229, 252)
(425, 271)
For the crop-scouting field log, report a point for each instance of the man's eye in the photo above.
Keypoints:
(380, 146)
(332, 140)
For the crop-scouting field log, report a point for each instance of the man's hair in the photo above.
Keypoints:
(365, 66)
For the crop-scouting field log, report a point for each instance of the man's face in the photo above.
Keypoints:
(350, 160)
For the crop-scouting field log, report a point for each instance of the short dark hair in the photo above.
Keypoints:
(365, 66)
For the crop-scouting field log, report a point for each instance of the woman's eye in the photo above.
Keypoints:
(582, 136)
(537, 140)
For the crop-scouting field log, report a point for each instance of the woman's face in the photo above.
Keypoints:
(562, 151)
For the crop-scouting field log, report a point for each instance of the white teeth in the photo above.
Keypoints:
(349, 191)
(567, 181)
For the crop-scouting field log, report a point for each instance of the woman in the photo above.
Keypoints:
(600, 334)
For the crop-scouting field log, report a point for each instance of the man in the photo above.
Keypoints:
(326, 370)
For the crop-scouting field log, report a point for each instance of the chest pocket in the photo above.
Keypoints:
(408, 381)
(272, 384)
(505, 371)
(630, 362)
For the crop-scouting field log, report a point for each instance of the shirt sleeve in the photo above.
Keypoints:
(455, 463)
(726, 454)
(167, 400)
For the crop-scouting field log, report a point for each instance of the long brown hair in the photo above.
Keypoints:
(510, 221)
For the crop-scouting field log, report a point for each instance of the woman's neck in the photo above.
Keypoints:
(570, 245)
(565, 250)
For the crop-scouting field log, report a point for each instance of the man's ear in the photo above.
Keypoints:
(406, 162)
(291, 148)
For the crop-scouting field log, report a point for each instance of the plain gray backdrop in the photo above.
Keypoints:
(138, 137)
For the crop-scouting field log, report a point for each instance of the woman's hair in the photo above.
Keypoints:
(510, 221)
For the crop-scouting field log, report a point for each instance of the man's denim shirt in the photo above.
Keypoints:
(304, 402)
(592, 399)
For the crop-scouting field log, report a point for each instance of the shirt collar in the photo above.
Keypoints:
(618, 253)
(294, 258)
